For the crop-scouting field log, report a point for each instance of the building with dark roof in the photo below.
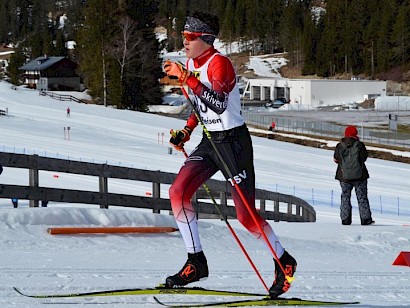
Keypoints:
(51, 73)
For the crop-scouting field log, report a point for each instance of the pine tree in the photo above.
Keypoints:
(60, 49)
(17, 59)
(96, 65)
(251, 30)
(4, 21)
(401, 35)
(217, 7)
(178, 26)
(329, 47)
(227, 27)
(272, 11)
(291, 38)
(240, 19)
(310, 40)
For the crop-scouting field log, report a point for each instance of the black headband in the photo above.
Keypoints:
(193, 24)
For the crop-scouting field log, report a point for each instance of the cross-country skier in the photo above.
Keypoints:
(210, 76)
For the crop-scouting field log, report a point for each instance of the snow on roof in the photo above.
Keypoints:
(40, 63)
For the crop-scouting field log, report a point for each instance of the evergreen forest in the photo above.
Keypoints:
(118, 53)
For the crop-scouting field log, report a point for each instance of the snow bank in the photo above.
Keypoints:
(83, 216)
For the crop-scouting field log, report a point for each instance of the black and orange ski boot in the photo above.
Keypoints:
(195, 268)
(282, 283)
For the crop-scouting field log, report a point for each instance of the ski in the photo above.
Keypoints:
(260, 302)
(161, 289)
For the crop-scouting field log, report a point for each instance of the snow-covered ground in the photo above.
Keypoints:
(335, 262)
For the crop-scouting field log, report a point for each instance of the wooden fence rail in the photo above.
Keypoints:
(61, 97)
(296, 209)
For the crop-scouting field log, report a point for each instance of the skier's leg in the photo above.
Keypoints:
(345, 204)
(245, 218)
(195, 171)
(192, 174)
(238, 157)
(280, 284)
(363, 202)
(237, 153)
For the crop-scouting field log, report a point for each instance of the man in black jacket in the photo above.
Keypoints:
(347, 183)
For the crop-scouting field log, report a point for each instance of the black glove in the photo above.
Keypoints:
(179, 137)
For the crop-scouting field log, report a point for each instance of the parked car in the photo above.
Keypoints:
(279, 102)
(283, 99)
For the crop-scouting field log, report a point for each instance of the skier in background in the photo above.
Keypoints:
(211, 78)
(68, 112)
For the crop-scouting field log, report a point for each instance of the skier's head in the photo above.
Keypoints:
(351, 131)
(203, 23)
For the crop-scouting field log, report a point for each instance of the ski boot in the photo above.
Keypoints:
(348, 220)
(366, 222)
(281, 284)
(195, 268)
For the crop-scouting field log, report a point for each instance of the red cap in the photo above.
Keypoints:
(351, 131)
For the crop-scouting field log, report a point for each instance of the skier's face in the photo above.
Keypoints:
(194, 46)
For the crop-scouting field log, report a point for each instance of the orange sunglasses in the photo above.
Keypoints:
(192, 36)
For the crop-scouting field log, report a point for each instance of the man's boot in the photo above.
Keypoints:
(195, 268)
(281, 284)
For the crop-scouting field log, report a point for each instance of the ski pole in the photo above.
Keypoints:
(238, 189)
(208, 191)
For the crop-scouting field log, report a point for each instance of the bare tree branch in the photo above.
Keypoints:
(125, 44)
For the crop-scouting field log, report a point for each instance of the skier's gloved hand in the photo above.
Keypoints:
(179, 137)
(176, 71)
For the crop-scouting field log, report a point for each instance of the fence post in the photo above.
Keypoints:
(299, 211)
(276, 211)
(331, 198)
(313, 196)
(262, 206)
(290, 211)
(103, 184)
(156, 194)
(224, 203)
(33, 177)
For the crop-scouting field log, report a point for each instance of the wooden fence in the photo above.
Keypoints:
(285, 207)
(61, 97)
